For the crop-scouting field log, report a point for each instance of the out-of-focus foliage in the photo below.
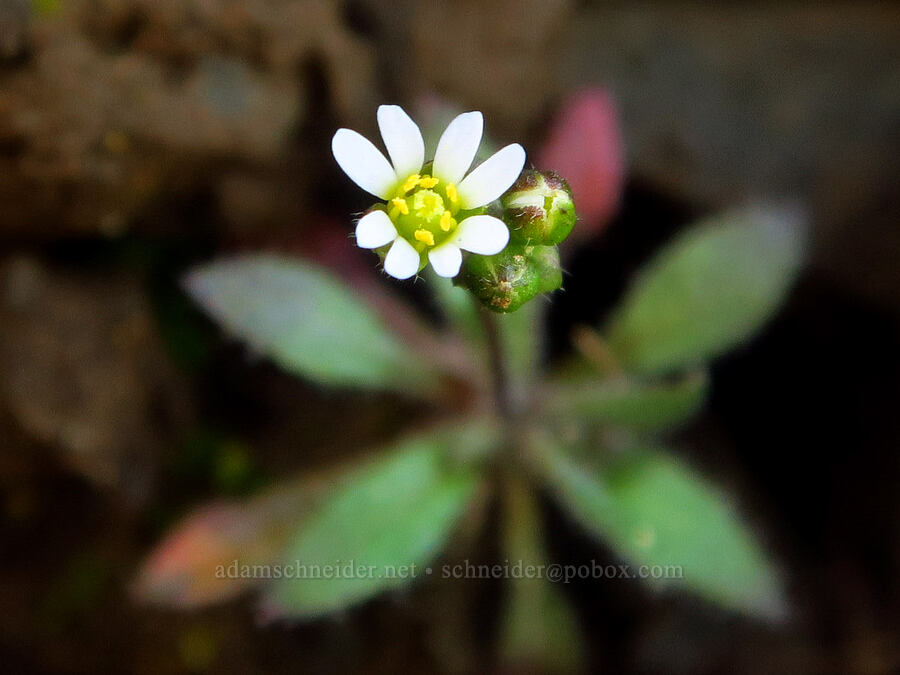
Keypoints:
(628, 402)
(708, 291)
(46, 6)
(456, 308)
(182, 570)
(656, 512)
(218, 461)
(539, 629)
(711, 289)
(308, 322)
(585, 146)
(385, 524)
(190, 567)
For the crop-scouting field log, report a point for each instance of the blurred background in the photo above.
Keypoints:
(140, 137)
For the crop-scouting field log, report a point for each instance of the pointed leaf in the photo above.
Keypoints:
(539, 631)
(307, 322)
(190, 567)
(656, 512)
(631, 403)
(707, 292)
(387, 524)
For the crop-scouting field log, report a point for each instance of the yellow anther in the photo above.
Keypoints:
(452, 194)
(428, 182)
(401, 205)
(424, 236)
(410, 182)
(447, 221)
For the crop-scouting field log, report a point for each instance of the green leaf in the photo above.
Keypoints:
(191, 566)
(707, 292)
(630, 403)
(307, 322)
(539, 631)
(656, 512)
(386, 524)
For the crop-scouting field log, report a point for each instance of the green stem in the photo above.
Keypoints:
(498, 365)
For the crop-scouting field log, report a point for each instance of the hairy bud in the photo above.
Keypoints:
(506, 281)
(545, 260)
(539, 209)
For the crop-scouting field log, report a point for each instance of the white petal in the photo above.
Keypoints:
(402, 261)
(492, 178)
(457, 147)
(446, 259)
(363, 162)
(375, 229)
(484, 235)
(403, 140)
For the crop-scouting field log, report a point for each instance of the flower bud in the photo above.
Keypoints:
(546, 263)
(538, 208)
(501, 282)
(506, 281)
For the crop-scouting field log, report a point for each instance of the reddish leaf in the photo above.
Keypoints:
(585, 147)
(189, 568)
(182, 571)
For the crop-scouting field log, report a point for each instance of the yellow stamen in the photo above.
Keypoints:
(401, 205)
(447, 221)
(410, 182)
(452, 194)
(428, 182)
(424, 236)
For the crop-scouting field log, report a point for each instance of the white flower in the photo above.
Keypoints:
(434, 216)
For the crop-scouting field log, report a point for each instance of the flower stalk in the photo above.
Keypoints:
(497, 364)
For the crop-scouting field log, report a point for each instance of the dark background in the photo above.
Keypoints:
(140, 136)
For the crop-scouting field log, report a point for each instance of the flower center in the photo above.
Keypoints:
(428, 205)
(424, 210)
